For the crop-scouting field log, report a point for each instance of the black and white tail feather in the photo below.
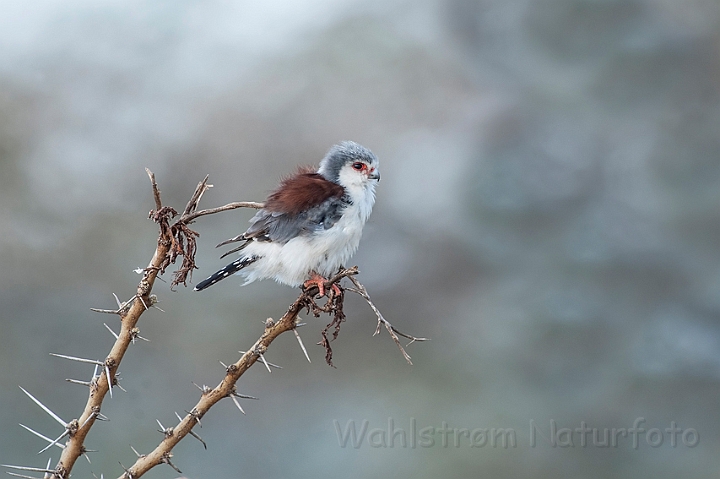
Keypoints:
(228, 270)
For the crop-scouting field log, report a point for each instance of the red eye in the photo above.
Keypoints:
(359, 166)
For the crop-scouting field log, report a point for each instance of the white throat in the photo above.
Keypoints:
(361, 192)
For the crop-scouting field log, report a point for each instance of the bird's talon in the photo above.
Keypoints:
(316, 280)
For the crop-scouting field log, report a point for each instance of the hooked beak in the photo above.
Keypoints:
(374, 174)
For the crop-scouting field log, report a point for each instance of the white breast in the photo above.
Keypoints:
(324, 251)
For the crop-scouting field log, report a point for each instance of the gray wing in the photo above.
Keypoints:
(282, 227)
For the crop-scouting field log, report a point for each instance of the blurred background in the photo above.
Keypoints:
(548, 215)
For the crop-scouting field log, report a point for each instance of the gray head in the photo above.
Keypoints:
(350, 164)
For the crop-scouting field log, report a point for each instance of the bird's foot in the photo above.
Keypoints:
(319, 281)
(336, 289)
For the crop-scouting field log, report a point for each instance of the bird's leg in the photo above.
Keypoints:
(336, 289)
(319, 281)
(316, 280)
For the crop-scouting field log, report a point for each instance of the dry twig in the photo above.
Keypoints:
(394, 333)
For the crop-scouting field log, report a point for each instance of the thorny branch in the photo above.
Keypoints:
(182, 239)
(227, 207)
(394, 333)
(227, 387)
(175, 240)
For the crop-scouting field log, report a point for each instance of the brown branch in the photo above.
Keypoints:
(200, 189)
(156, 192)
(184, 239)
(100, 386)
(230, 206)
(227, 387)
(173, 241)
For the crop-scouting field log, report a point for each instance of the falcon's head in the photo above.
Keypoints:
(350, 165)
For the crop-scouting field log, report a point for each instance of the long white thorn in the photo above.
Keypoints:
(302, 346)
(265, 362)
(81, 360)
(135, 451)
(191, 432)
(77, 381)
(20, 475)
(109, 380)
(117, 300)
(237, 403)
(87, 420)
(244, 396)
(54, 442)
(45, 408)
(111, 331)
(41, 436)
(29, 469)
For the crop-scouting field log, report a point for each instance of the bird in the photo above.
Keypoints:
(310, 225)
